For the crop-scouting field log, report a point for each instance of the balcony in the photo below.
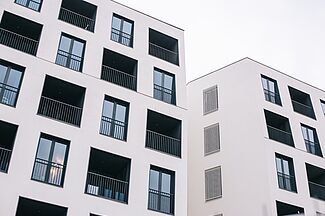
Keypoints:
(36, 208)
(316, 181)
(161, 201)
(19, 33)
(119, 128)
(301, 103)
(62, 101)
(163, 46)
(7, 139)
(119, 69)
(108, 176)
(163, 133)
(78, 13)
(284, 209)
(48, 171)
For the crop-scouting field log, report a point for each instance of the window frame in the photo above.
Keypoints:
(315, 142)
(162, 89)
(120, 33)
(292, 176)
(27, 5)
(268, 93)
(205, 99)
(217, 169)
(218, 139)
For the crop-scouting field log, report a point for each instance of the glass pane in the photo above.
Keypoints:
(304, 133)
(278, 165)
(165, 183)
(127, 27)
(157, 78)
(59, 153)
(3, 71)
(271, 86)
(264, 82)
(311, 135)
(44, 148)
(108, 109)
(168, 82)
(65, 44)
(14, 78)
(78, 48)
(154, 180)
(116, 23)
(120, 113)
(286, 169)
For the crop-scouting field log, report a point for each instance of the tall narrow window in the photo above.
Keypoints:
(322, 103)
(31, 4)
(161, 190)
(122, 30)
(271, 91)
(114, 118)
(286, 173)
(213, 185)
(164, 86)
(211, 139)
(51, 159)
(311, 140)
(10, 81)
(71, 52)
(210, 100)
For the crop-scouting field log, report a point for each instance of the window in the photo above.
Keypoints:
(271, 91)
(7, 139)
(114, 118)
(71, 52)
(122, 30)
(286, 173)
(213, 183)
(211, 139)
(210, 100)
(51, 159)
(10, 80)
(285, 209)
(316, 181)
(311, 140)
(322, 103)
(301, 102)
(32, 4)
(164, 86)
(161, 190)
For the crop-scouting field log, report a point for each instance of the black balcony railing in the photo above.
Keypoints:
(272, 97)
(113, 128)
(8, 94)
(5, 155)
(69, 60)
(280, 135)
(48, 171)
(34, 5)
(313, 148)
(163, 53)
(303, 109)
(60, 111)
(164, 94)
(119, 77)
(122, 37)
(77, 19)
(17, 41)
(160, 201)
(163, 143)
(317, 190)
(107, 187)
(287, 182)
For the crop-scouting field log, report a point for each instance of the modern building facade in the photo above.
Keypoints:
(256, 143)
(92, 111)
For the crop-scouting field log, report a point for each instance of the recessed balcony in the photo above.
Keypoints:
(301, 103)
(7, 139)
(316, 181)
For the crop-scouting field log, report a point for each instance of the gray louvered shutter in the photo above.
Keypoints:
(210, 100)
(211, 139)
(213, 186)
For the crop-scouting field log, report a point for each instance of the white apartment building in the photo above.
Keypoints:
(256, 143)
(92, 111)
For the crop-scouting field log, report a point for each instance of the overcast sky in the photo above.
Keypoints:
(288, 35)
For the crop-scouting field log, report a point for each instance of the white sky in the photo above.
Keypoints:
(288, 35)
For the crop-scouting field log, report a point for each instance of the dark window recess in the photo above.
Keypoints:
(20, 33)
(31, 4)
(322, 103)
(311, 140)
(51, 160)
(284, 209)
(62, 101)
(271, 91)
(7, 140)
(71, 52)
(122, 30)
(108, 176)
(301, 103)
(119, 69)
(78, 13)
(114, 121)
(163, 133)
(11, 76)
(164, 86)
(316, 181)
(278, 128)
(37, 208)
(286, 173)
(161, 190)
(163, 46)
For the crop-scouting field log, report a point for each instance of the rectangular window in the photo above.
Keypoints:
(10, 80)
(31, 4)
(211, 139)
(164, 86)
(71, 52)
(301, 102)
(322, 103)
(210, 100)
(271, 91)
(286, 173)
(114, 118)
(213, 183)
(161, 190)
(51, 159)
(122, 30)
(311, 140)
